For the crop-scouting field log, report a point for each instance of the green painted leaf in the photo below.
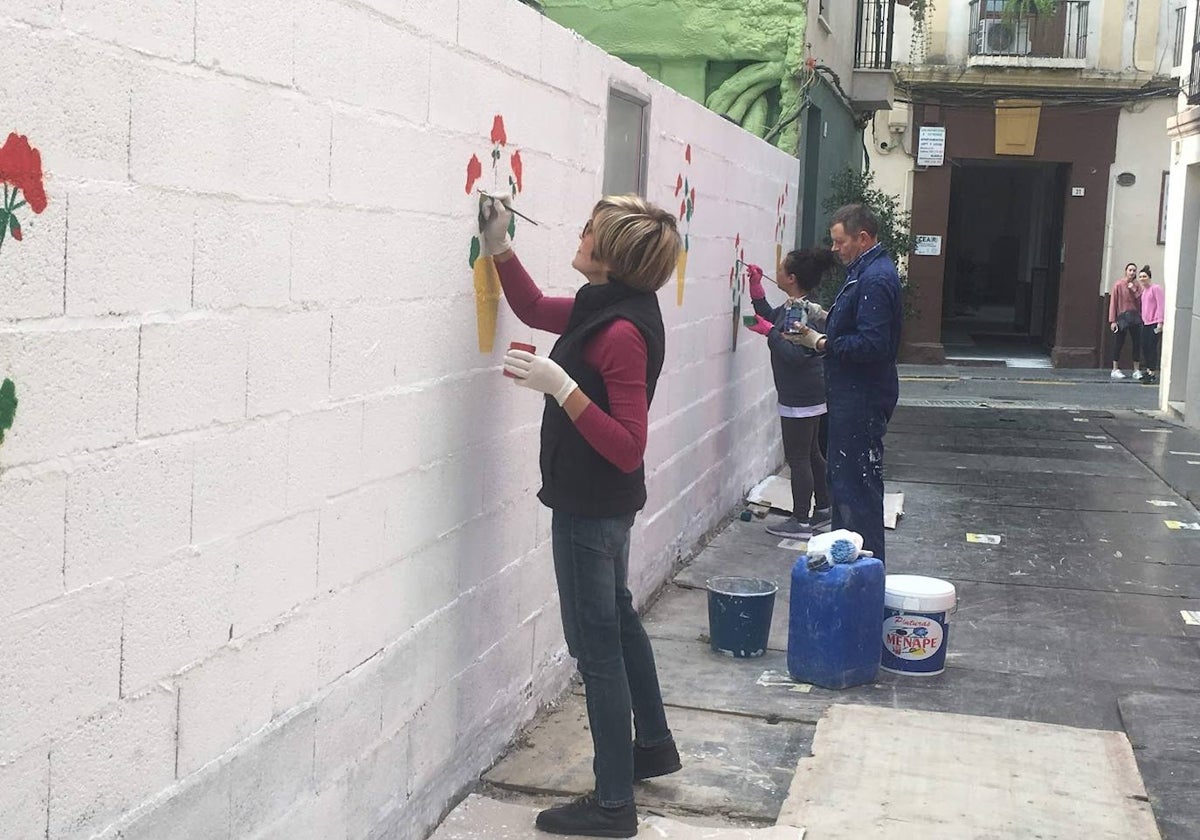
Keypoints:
(512, 227)
(475, 249)
(8, 406)
(14, 226)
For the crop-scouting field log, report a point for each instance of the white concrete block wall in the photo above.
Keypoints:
(272, 561)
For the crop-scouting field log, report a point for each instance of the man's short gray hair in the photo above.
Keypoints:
(855, 218)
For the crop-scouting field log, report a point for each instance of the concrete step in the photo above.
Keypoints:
(481, 818)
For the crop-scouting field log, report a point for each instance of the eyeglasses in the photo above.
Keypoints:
(587, 228)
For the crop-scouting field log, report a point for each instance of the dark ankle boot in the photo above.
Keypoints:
(658, 760)
(583, 817)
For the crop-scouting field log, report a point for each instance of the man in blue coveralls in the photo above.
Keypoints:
(860, 342)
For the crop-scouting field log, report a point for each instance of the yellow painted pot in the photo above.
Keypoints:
(680, 273)
(487, 301)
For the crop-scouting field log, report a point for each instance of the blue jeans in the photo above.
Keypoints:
(605, 635)
(855, 457)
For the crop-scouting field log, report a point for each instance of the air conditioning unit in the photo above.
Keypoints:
(1003, 37)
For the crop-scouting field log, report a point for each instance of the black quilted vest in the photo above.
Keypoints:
(575, 477)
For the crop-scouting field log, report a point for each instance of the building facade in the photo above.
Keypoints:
(804, 74)
(1029, 146)
(1180, 391)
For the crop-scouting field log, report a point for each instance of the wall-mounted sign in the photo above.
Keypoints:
(1077, 192)
(927, 246)
(931, 145)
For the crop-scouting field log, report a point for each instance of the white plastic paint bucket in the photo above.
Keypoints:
(916, 624)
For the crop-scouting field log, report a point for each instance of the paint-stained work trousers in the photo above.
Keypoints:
(857, 425)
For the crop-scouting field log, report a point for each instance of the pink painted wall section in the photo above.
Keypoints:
(272, 558)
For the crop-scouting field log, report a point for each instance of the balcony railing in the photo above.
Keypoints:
(873, 34)
(1193, 85)
(1027, 33)
(1180, 26)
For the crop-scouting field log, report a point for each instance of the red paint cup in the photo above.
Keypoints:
(517, 345)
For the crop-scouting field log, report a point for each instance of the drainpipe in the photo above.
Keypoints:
(1129, 35)
(1107, 276)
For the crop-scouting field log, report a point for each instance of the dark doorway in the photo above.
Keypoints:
(812, 174)
(1003, 262)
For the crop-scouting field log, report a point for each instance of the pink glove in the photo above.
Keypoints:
(761, 325)
(754, 273)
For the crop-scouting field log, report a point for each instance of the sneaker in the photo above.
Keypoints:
(1149, 379)
(659, 760)
(1137, 374)
(1117, 374)
(821, 517)
(792, 528)
(584, 817)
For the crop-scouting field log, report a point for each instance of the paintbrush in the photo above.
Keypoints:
(741, 263)
(515, 212)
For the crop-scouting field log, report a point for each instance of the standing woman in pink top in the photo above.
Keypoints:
(1153, 310)
(1125, 317)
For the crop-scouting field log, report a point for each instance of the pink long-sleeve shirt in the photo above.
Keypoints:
(1123, 298)
(617, 351)
(1153, 304)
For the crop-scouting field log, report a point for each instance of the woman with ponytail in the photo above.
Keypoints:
(799, 381)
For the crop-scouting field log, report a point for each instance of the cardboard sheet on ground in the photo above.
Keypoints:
(893, 509)
(950, 777)
(775, 491)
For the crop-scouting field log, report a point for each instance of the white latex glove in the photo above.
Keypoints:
(539, 373)
(1158, 329)
(815, 312)
(809, 338)
(495, 217)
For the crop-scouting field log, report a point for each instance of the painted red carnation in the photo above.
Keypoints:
(518, 169)
(474, 172)
(21, 166)
(498, 134)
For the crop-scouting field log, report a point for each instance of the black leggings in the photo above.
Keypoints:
(802, 451)
(1118, 343)
(1151, 344)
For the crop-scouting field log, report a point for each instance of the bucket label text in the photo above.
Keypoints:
(912, 637)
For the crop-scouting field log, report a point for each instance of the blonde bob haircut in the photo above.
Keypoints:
(636, 240)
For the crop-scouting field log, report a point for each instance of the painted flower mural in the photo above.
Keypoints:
(686, 193)
(737, 285)
(483, 269)
(21, 172)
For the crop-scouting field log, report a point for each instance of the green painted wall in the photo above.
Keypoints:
(741, 57)
(830, 142)
(694, 46)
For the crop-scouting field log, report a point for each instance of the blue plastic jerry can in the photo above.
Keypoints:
(835, 622)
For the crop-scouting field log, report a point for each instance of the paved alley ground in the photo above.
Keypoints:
(1077, 616)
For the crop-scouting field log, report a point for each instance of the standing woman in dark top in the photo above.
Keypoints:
(800, 382)
(599, 380)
